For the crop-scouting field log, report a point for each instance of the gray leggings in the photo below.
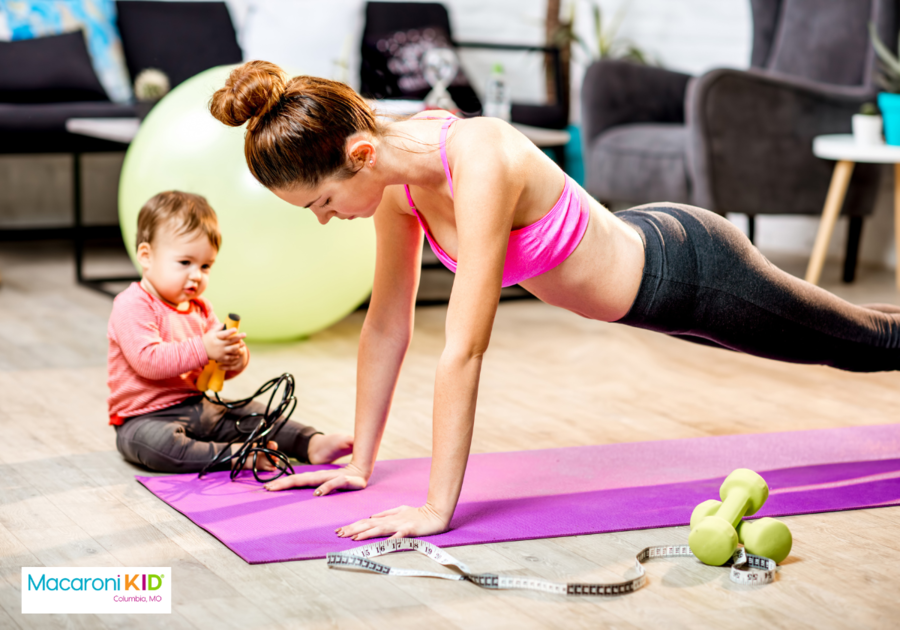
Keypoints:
(185, 437)
(704, 281)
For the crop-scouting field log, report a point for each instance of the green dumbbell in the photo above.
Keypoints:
(713, 537)
(707, 508)
(766, 537)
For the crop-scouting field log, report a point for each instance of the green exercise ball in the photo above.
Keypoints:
(286, 275)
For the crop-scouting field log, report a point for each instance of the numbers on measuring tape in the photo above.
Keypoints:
(745, 568)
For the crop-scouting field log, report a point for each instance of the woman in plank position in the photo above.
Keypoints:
(498, 212)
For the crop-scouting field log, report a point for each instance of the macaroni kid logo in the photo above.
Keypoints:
(135, 590)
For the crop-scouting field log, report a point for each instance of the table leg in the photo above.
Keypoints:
(897, 220)
(833, 202)
(78, 227)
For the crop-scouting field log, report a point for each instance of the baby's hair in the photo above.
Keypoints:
(297, 128)
(185, 212)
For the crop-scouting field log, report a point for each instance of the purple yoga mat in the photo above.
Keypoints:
(553, 492)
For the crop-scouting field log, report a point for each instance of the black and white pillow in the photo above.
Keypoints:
(392, 67)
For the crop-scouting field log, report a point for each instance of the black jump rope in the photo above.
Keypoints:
(257, 429)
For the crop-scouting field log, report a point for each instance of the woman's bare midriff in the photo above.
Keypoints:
(600, 280)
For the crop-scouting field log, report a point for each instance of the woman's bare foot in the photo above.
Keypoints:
(324, 449)
(262, 462)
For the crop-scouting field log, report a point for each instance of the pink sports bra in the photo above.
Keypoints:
(533, 249)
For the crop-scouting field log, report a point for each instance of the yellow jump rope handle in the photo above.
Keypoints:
(213, 377)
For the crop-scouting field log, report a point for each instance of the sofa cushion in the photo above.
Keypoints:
(47, 70)
(639, 163)
(97, 18)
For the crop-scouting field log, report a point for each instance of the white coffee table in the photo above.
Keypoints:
(116, 129)
(843, 148)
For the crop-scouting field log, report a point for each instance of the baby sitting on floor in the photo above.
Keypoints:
(161, 335)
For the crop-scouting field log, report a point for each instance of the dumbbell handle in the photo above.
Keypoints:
(734, 506)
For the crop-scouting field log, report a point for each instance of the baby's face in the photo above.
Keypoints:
(177, 266)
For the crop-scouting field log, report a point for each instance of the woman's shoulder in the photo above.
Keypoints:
(439, 116)
(484, 126)
(483, 140)
(486, 133)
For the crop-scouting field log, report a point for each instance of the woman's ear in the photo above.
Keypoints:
(361, 152)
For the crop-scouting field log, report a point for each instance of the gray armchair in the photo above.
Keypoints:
(741, 141)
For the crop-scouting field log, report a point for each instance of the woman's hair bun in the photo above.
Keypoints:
(251, 91)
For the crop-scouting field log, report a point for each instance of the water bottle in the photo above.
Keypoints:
(496, 95)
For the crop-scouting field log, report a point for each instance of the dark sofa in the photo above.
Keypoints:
(46, 81)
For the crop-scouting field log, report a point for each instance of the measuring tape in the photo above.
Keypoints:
(746, 568)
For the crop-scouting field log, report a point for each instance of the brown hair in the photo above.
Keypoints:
(298, 128)
(187, 213)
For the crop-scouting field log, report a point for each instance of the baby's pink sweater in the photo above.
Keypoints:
(156, 352)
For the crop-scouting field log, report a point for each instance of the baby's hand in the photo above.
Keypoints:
(237, 361)
(223, 346)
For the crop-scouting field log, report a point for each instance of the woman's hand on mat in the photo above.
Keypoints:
(347, 478)
(397, 523)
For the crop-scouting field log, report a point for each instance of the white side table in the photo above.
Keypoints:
(843, 148)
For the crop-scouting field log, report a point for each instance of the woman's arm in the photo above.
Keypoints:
(387, 331)
(383, 343)
(488, 187)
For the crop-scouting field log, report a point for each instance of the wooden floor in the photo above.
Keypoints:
(550, 379)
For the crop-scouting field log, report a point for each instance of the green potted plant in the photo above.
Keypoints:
(889, 79)
(150, 86)
(609, 45)
(867, 125)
